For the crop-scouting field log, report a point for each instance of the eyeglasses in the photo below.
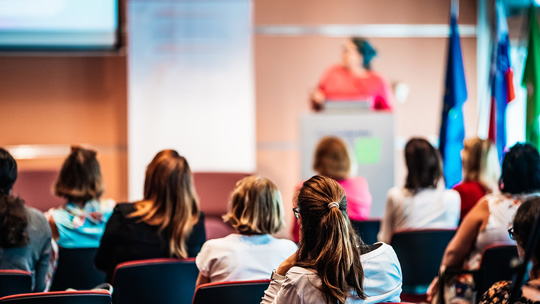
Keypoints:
(511, 233)
(296, 212)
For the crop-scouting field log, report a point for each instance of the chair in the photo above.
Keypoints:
(156, 281)
(367, 230)
(15, 282)
(420, 253)
(495, 266)
(214, 189)
(60, 297)
(240, 292)
(76, 270)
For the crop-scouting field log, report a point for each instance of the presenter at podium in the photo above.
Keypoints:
(353, 80)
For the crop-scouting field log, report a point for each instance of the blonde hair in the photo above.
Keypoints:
(255, 207)
(170, 201)
(481, 163)
(332, 158)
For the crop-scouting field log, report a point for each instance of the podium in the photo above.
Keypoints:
(369, 136)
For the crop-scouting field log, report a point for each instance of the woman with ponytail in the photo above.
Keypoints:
(166, 223)
(332, 264)
(25, 236)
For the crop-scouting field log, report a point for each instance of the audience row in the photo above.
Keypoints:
(331, 263)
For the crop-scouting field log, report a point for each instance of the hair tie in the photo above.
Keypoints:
(333, 204)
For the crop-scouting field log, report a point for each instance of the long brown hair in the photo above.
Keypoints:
(329, 244)
(423, 164)
(170, 201)
(13, 218)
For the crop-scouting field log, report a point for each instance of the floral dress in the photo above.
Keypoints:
(499, 293)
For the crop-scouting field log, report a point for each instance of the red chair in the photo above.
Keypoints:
(15, 282)
(420, 253)
(214, 189)
(239, 292)
(60, 297)
(156, 281)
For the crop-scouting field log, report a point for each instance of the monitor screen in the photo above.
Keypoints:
(59, 25)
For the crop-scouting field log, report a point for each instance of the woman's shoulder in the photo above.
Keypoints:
(36, 217)
(124, 208)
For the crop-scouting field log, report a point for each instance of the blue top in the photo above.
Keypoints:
(81, 227)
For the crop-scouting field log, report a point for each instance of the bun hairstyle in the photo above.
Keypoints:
(256, 207)
(13, 220)
(170, 201)
(80, 177)
(329, 244)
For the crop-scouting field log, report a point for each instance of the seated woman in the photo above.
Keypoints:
(332, 263)
(25, 236)
(252, 253)
(521, 230)
(353, 79)
(489, 220)
(424, 202)
(332, 160)
(166, 223)
(80, 222)
(481, 172)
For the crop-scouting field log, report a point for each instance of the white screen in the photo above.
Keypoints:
(190, 85)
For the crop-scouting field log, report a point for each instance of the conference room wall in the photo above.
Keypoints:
(52, 102)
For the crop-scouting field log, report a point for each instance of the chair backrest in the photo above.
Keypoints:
(495, 266)
(156, 281)
(60, 297)
(420, 253)
(367, 230)
(14, 282)
(240, 292)
(76, 270)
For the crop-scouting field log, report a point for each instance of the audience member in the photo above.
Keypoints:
(256, 211)
(25, 236)
(332, 160)
(499, 293)
(332, 264)
(481, 172)
(423, 202)
(487, 223)
(166, 223)
(80, 222)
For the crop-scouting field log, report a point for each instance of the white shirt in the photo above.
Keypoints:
(243, 257)
(430, 208)
(502, 209)
(382, 281)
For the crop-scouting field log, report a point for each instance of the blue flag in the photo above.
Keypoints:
(502, 88)
(452, 127)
